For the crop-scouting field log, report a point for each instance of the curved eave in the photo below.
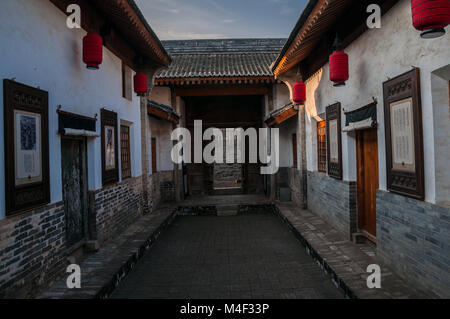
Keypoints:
(318, 18)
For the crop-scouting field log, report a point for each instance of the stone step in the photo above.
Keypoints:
(227, 210)
(228, 191)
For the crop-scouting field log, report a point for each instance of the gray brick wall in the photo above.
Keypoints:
(163, 187)
(116, 207)
(290, 177)
(334, 201)
(413, 238)
(32, 249)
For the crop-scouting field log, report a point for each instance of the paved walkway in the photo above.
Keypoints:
(346, 261)
(102, 271)
(219, 200)
(244, 256)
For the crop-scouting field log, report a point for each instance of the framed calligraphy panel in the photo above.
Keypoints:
(404, 137)
(334, 140)
(27, 181)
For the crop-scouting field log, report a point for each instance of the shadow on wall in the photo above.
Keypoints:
(313, 99)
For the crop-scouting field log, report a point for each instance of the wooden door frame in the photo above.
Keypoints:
(85, 190)
(359, 182)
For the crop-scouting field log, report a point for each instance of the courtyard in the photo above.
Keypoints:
(245, 256)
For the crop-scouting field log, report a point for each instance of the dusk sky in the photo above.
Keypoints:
(212, 19)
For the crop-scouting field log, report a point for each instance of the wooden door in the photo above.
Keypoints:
(367, 181)
(74, 184)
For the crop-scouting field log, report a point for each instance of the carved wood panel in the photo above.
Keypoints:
(27, 182)
(402, 178)
(110, 154)
(334, 140)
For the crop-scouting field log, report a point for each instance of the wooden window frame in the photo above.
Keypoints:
(125, 150)
(400, 88)
(333, 112)
(321, 164)
(126, 82)
(25, 196)
(109, 176)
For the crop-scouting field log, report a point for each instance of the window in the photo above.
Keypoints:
(154, 170)
(110, 161)
(321, 147)
(125, 156)
(126, 82)
(294, 149)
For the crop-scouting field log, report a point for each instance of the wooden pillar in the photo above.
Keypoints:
(176, 167)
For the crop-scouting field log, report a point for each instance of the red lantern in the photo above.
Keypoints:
(299, 92)
(430, 17)
(339, 68)
(140, 84)
(92, 51)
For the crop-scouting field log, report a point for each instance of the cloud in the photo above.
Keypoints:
(175, 19)
(201, 19)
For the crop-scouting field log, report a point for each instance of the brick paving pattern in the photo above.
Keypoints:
(243, 256)
(347, 260)
(103, 270)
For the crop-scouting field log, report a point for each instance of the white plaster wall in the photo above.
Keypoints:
(440, 83)
(39, 50)
(376, 56)
(287, 129)
(281, 95)
(162, 95)
(162, 131)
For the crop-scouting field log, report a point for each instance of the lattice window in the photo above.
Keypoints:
(125, 151)
(321, 147)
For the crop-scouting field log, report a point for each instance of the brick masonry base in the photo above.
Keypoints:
(32, 250)
(115, 207)
(413, 238)
(290, 177)
(334, 201)
(343, 260)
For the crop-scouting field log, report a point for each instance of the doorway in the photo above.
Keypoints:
(367, 181)
(74, 183)
(227, 178)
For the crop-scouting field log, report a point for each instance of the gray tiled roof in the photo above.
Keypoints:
(221, 58)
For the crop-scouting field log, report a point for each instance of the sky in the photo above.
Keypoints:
(218, 19)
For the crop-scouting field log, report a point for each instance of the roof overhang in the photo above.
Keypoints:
(123, 28)
(313, 36)
(215, 80)
(162, 112)
(281, 115)
(317, 18)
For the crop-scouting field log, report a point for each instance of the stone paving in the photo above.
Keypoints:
(102, 271)
(252, 255)
(346, 261)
